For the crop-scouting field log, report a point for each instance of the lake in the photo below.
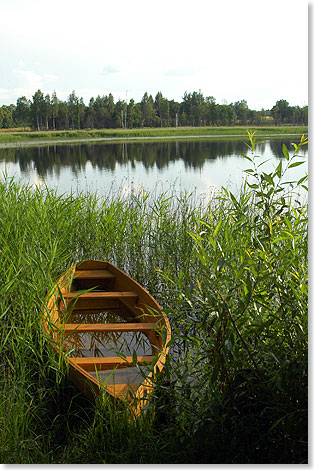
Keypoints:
(196, 165)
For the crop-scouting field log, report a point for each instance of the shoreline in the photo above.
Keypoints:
(77, 140)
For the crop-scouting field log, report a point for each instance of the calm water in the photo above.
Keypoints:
(198, 165)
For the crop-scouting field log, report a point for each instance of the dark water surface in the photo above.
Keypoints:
(197, 165)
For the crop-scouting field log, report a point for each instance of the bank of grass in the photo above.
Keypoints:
(40, 137)
(232, 277)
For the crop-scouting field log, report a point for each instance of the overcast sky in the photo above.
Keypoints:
(231, 50)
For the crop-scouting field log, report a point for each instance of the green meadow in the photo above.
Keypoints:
(38, 137)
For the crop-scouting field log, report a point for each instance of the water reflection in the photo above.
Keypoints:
(72, 166)
(127, 375)
(117, 315)
(108, 344)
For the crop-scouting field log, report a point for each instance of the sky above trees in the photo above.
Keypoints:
(256, 51)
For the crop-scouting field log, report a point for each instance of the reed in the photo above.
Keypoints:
(232, 277)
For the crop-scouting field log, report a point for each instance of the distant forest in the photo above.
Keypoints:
(45, 112)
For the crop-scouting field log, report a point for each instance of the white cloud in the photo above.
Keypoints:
(27, 83)
(227, 49)
(3, 93)
(109, 69)
(183, 71)
(19, 91)
(28, 79)
(49, 77)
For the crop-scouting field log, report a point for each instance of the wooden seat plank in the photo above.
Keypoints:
(107, 327)
(101, 295)
(107, 363)
(100, 299)
(94, 274)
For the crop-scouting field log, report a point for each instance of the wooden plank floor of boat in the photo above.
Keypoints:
(101, 298)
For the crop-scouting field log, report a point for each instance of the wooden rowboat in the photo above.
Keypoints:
(112, 331)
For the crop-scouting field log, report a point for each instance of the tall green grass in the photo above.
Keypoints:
(232, 277)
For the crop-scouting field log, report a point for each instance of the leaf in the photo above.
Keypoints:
(302, 179)
(225, 191)
(217, 228)
(270, 192)
(285, 152)
(263, 163)
(278, 170)
(247, 158)
(289, 182)
(134, 358)
(276, 423)
(268, 178)
(235, 202)
(288, 223)
(295, 164)
(213, 244)
(279, 239)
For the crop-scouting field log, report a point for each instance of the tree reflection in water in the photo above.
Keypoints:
(63, 166)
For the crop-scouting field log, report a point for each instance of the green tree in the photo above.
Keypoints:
(72, 107)
(148, 110)
(76, 108)
(133, 120)
(198, 108)
(6, 117)
(241, 111)
(22, 111)
(119, 114)
(37, 109)
(62, 121)
(47, 110)
(185, 108)
(104, 108)
(90, 113)
(280, 111)
(54, 109)
(226, 115)
(262, 116)
(110, 107)
(210, 113)
(174, 113)
(304, 115)
(162, 108)
(184, 119)
(80, 112)
(99, 112)
(194, 107)
(137, 115)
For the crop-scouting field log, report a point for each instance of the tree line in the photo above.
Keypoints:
(45, 112)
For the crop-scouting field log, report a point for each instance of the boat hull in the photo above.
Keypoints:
(113, 333)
